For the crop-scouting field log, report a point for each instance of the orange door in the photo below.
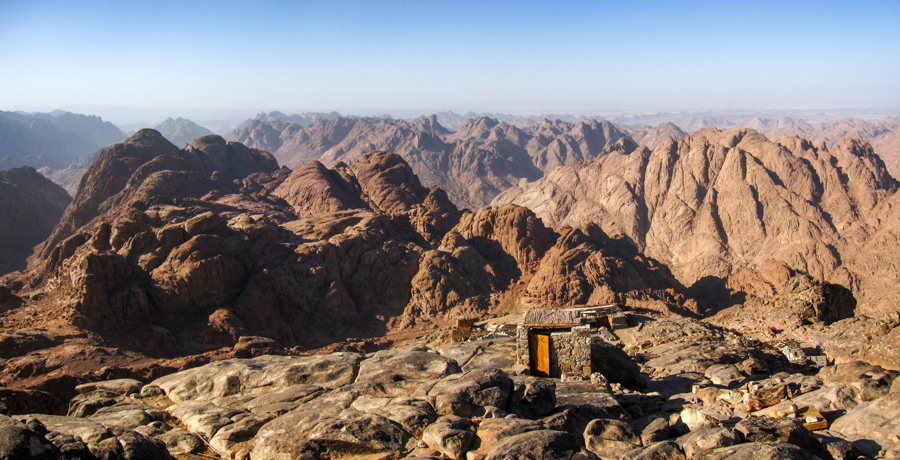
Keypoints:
(539, 348)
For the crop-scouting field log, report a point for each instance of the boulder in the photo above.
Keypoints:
(697, 419)
(666, 450)
(610, 439)
(758, 450)
(136, 446)
(129, 414)
(453, 404)
(122, 387)
(726, 375)
(533, 398)
(655, 431)
(491, 431)
(479, 388)
(838, 446)
(69, 446)
(588, 403)
(412, 414)
(257, 375)
(278, 402)
(780, 430)
(328, 424)
(105, 442)
(410, 363)
(179, 441)
(230, 437)
(540, 444)
(497, 353)
(868, 382)
(449, 435)
(352, 433)
(706, 439)
(202, 417)
(877, 420)
(92, 433)
(84, 405)
(17, 441)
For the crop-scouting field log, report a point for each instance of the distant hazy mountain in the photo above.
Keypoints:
(299, 119)
(481, 159)
(653, 136)
(53, 140)
(181, 131)
(70, 178)
(453, 121)
(884, 135)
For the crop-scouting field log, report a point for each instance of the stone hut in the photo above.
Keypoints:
(557, 343)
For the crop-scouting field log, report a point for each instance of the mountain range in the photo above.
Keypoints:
(473, 164)
(52, 140)
(169, 258)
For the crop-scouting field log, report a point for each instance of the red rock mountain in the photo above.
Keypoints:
(31, 206)
(718, 201)
(171, 252)
(474, 164)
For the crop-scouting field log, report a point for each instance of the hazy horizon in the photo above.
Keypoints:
(420, 57)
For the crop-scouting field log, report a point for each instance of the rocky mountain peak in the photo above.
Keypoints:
(478, 128)
(389, 182)
(122, 170)
(430, 125)
(313, 189)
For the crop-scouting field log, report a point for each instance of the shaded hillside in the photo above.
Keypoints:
(181, 131)
(31, 206)
(53, 139)
(474, 164)
(718, 201)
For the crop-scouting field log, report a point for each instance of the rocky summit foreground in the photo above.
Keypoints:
(713, 398)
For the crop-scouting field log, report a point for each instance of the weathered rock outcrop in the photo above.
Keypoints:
(414, 402)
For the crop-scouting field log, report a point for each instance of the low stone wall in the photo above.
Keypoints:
(522, 355)
(559, 316)
(570, 352)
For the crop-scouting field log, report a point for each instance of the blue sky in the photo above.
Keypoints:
(520, 57)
